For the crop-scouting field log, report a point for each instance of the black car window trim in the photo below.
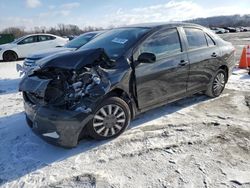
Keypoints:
(52, 37)
(166, 55)
(195, 49)
(207, 35)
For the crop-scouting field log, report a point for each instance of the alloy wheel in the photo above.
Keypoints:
(219, 83)
(109, 120)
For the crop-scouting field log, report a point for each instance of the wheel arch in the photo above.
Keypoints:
(115, 92)
(10, 50)
(226, 69)
(121, 93)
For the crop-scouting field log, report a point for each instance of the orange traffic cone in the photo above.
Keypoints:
(245, 58)
(248, 56)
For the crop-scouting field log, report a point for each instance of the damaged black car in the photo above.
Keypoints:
(99, 88)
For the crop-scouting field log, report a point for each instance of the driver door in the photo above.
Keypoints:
(28, 46)
(166, 78)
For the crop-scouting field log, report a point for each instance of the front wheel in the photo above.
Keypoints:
(10, 56)
(217, 84)
(111, 119)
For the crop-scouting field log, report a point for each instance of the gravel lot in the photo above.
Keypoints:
(195, 142)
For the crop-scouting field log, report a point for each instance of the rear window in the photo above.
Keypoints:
(196, 38)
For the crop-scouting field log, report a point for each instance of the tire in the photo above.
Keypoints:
(217, 84)
(29, 122)
(111, 118)
(10, 56)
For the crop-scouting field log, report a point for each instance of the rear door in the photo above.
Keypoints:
(167, 77)
(202, 54)
(28, 46)
(46, 41)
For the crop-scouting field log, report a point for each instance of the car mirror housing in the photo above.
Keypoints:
(146, 57)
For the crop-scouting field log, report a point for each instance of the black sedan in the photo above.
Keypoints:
(99, 88)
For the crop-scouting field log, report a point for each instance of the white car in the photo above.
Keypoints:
(22, 47)
(218, 30)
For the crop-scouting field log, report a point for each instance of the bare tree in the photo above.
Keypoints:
(17, 32)
(60, 29)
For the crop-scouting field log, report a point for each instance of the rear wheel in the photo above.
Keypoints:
(10, 56)
(111, 118)
(217, 84)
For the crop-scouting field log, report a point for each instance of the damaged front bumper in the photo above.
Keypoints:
(59, 127)
(59, 100)
(23, 69)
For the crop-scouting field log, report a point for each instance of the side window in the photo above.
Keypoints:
(45, 38)
(196, 38)
(210, 41)
(42, 38)
(29, 40)
(51, 37)
(162, 44)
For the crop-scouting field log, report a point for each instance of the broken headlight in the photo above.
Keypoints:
(72, 90)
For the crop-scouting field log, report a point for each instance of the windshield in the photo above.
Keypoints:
(80, 41)
(116, 41)
(19, 39)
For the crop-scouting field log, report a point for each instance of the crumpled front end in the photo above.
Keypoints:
(59, 102)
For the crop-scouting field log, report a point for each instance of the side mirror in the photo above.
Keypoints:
(146, 57)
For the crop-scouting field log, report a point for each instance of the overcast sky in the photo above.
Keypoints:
(30, 13)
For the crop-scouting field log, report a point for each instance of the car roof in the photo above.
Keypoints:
(162, 24)
(40, 34)
(94, 32)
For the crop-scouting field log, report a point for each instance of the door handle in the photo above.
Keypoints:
(214, 54)
(183, 63)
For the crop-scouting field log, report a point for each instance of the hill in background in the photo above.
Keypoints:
(223, 21)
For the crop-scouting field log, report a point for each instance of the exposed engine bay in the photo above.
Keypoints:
(69, 89)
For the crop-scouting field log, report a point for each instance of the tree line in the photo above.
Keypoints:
(67, 30)
(60, 30)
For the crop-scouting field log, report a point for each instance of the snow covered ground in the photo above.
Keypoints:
(195, 142)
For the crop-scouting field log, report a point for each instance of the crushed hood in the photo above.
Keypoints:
(48, 52)
(74, 60)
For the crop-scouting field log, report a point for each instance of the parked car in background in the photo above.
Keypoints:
(71, 37)
(6, 38)
(231, 29)
(99, 88)
(20, 48)
(243, 29)
(72, 45)
(218, 30)
(238, 29)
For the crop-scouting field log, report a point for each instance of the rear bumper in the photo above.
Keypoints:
(56, 126)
